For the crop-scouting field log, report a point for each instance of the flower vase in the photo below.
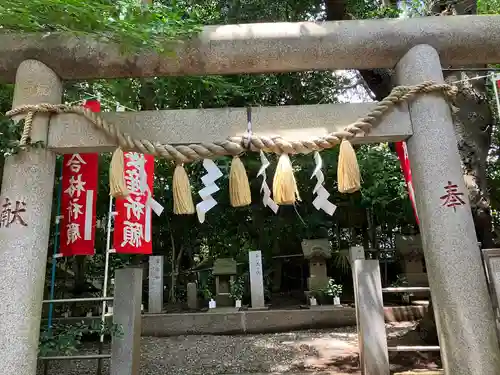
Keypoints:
(237, 303)
(212, 304)
(336, 301)
(313, 301)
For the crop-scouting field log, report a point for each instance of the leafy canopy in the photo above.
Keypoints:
(127, 22)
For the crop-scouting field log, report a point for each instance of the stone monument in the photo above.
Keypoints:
(413, 262)
(256, 279)
(316, 252)
(224, 272)
(156, 287)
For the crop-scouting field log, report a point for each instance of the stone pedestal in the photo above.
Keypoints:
(224, 272)
(126, 348)
(26, 203)
(462, 306)
(192, 296)
(372, 336)
(156, 288)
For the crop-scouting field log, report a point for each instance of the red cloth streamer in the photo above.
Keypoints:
(93, 105)
(78, 201)
(132, 234)
(402, 153)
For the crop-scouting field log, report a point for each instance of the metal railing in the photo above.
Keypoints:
(83, 357)
(416, 348)
(75, 357)
(71, 300)
(414, 289)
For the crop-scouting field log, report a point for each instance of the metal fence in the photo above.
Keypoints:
(402, 348)
(100, 356)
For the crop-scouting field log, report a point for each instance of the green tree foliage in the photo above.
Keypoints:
(362, 218)
(126, 22)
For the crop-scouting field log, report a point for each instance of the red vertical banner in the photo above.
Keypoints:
(78, 200)
(402, 152)
(132, 233)
(78, 204)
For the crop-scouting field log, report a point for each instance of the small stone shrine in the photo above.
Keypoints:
(316, 252)
(412, 260)
(224, 272)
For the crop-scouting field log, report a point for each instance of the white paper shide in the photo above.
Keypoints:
(267, 201)
(208, 202)
(321, 201)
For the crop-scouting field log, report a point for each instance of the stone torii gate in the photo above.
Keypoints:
(414, 47)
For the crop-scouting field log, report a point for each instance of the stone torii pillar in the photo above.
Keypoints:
(462, 305)
(27, 184)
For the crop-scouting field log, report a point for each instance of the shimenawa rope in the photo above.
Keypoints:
(236, 145)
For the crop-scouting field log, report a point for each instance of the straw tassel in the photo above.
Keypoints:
(285, 191)
(183, 198)
(239, 187)
(117, 185)
(349, 178)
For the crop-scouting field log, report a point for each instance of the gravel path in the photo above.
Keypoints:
(314, 352)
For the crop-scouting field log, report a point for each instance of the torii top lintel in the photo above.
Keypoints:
(265, 48)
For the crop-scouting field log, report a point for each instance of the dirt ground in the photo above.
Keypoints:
(333, 352)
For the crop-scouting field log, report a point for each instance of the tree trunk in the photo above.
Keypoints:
(473, 128)
(79, 268)
(2, 164)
